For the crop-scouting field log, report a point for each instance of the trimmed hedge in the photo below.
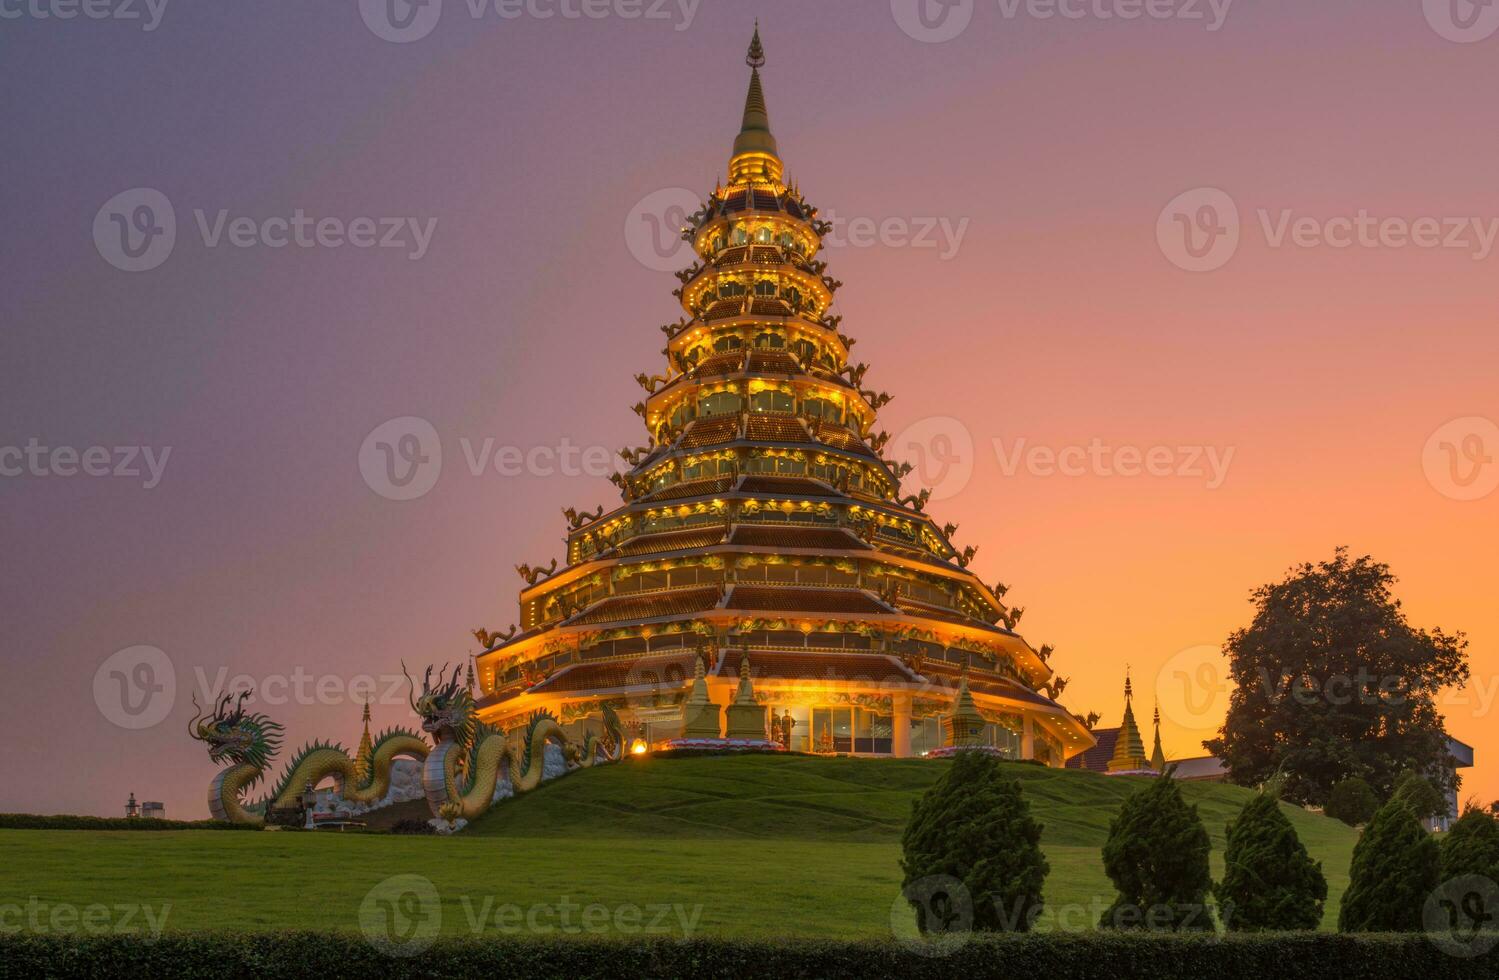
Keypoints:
(1313, 956)
(67, 821)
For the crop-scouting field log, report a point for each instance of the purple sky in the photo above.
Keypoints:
(1053, 143)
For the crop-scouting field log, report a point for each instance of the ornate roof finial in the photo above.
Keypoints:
(1128, 690)
(756, 56)
(755, 153)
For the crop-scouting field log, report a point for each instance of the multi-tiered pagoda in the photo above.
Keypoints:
(761, 524)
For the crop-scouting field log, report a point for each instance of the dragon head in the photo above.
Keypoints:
(234, 735)
(447, 710)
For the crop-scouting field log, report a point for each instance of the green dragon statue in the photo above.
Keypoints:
(449, 717)
(250, 741)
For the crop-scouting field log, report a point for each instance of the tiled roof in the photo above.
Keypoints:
(772, 361)
(672, 672)
(719, 364)
(694, 537)
(633, 607)
(800, 599)
(776, 428)
(840, 438)
(710, 432)
(1097, 758)
(999, 687)
(793, 536)
(692, 488)
(787, 485)
(929, 611)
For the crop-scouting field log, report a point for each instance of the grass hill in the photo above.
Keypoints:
(754, 845)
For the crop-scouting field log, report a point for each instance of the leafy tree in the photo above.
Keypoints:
(1332, 680)
(1395, 867)
(974, 825)
(1157, 857)
(1269, 882)
(1422, 798)
(1352, 801)
(1471, 847)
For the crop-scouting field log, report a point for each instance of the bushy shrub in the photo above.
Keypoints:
(1088, 956)
(1422, 798)
(975, 826)
(1157, 857)
(68, 821)
(1352, 801)
(1269, 883)
(1395, 867)
(1471, 847)
(413, 827)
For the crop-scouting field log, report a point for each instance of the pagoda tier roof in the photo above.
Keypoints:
(760, 364)
(669, 671)
(788, 486)
(654, 605)
(803, 599)
(947, 615)
(949, 675)
(692, 488)
(667, 541)
(835, 665)
(793, 536)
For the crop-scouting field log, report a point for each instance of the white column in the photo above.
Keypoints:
(1027, 739)
(900, 741)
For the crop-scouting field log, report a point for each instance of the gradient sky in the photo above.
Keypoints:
(1059, 319)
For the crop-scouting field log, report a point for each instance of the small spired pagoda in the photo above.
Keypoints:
(765, 562)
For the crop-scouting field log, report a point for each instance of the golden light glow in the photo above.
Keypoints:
(639, 747)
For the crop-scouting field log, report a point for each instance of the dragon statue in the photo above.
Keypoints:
(249, 741)
(533, 575)
(490, 639)
(577, 518)
(449, 717)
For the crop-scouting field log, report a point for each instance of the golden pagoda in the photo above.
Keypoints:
(1129, 748)
(364, 757)
(1157, 756)
(760, 522)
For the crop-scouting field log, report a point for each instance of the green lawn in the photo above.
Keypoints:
(735, 846)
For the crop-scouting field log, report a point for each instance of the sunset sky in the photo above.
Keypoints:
(1005, 201)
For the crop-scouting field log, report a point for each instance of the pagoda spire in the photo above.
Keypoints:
(756, 156)
(1158, 757)
(364, 758)
(1129, 749)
